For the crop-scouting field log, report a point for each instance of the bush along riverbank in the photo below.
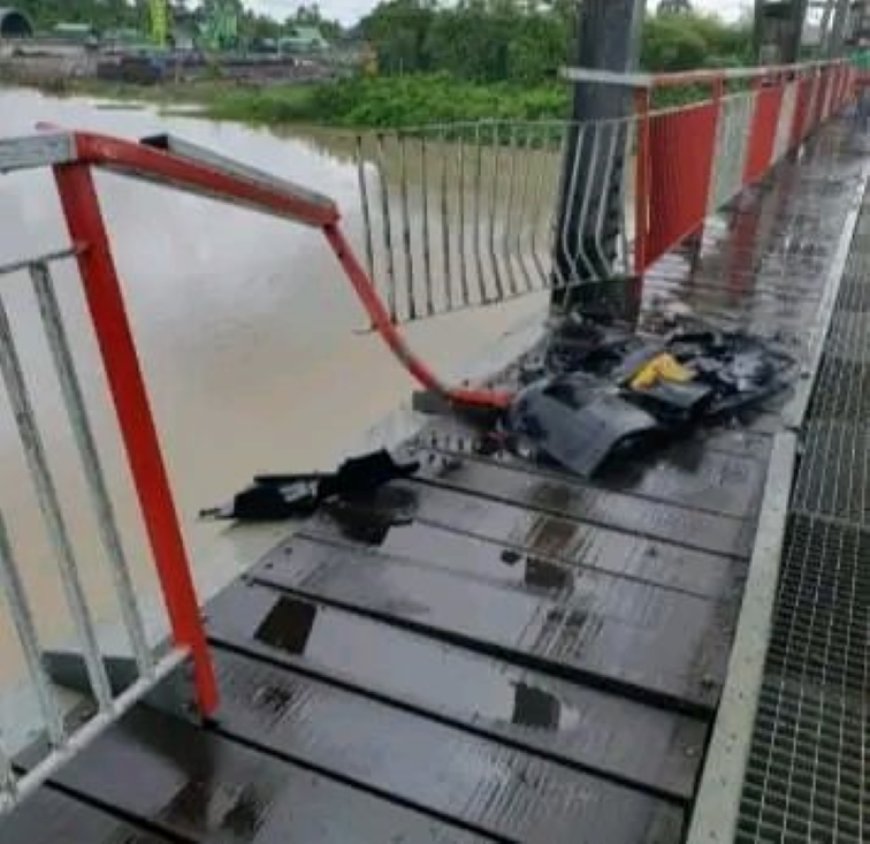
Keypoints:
(353, 103)
(391, 102)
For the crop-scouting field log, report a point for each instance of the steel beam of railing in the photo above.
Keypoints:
(75, 404)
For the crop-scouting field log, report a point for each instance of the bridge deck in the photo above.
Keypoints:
(534, 658)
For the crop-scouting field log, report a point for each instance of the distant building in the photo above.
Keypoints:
(14, 24)
(303, 39)
(185, 30)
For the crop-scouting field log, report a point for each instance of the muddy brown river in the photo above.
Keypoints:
(248, 335)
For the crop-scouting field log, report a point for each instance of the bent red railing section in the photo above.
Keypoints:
(72, 156)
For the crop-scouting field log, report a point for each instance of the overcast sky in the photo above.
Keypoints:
(349, 11)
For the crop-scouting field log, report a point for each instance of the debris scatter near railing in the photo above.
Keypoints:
(600, 389)
(595, 392)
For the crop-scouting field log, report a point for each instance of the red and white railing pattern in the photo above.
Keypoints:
(692, 160)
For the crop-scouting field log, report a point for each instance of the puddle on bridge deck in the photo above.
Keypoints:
(246, 329)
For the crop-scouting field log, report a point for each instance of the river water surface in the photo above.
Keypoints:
(247, 331)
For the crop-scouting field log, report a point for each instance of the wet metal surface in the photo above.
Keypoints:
(534, 657)
(477, 536)
(570, 498)
(650, 643)
(492, 788)
(808, 777)
(50, 817)
(687, 474)
(201, 787)
(578, 726)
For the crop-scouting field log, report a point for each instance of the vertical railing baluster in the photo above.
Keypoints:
(478, 233)
(427, 260)
(8, 782)
(366, 211)
(604, 198)
(509, 210)
(565, 233)
(25, 627)
(75, 405)
(554, 242)
(493, 208)
(445, 225)
(387, 228)
(582, 227)
(50, 506)
(463, 264)
(406, 228)
(626, 213)
(521, 151)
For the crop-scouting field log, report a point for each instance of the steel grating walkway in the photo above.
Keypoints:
(807, 777)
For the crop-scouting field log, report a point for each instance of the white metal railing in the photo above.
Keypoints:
(466, 214)
(61, 741)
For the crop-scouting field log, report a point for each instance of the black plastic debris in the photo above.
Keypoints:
(275, 497)
(601, 388)
(578, 421)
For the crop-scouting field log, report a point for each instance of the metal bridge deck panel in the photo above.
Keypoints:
(571, 724)
(494, 789)
(536, 657)
(50, 817)
(652, 643)
(510, 544)
(573, 499)
(195, 785)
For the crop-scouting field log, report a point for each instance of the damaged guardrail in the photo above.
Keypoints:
(463, 215)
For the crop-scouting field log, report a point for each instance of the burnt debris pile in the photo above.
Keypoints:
(600, 390)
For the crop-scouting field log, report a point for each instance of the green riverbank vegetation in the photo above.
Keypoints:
(437, 63)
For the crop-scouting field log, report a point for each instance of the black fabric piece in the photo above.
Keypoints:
(276, 497)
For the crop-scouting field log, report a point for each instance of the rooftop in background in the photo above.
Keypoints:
(305, 38)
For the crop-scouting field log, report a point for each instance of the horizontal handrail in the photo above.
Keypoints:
(44, 258)
(654, 81)
(213, 177)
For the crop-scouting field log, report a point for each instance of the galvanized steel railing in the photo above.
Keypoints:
(149, 667)
(465, 214)
(469, 214)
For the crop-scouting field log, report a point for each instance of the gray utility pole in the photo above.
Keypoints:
(608, 38)
(835, 43)
(832, 29)
(779, 27)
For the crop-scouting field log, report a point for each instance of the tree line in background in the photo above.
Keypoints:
(522, 41)
(526, 40)
(117, 14)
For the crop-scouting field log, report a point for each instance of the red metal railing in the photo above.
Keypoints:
(680, 150)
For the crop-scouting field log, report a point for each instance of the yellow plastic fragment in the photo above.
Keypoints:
(663, 367)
